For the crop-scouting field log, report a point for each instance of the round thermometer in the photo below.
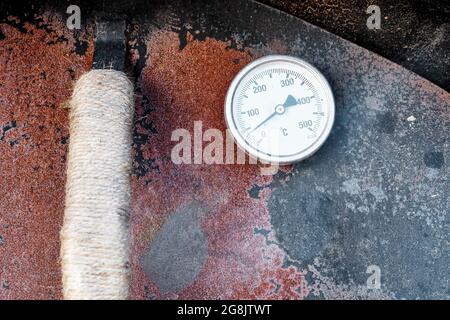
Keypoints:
(279, 109)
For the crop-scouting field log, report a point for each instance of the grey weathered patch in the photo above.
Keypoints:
(434, 159)
(305, 223)
(386, 122)
(179, 250)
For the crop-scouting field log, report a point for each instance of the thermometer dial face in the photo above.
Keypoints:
(279, 109)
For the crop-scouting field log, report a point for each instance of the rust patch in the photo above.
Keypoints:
(180, 87)
(37, 69)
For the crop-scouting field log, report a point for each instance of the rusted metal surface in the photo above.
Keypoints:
(375, 194)
(37, 67)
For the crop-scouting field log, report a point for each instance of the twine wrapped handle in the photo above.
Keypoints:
(95, 237)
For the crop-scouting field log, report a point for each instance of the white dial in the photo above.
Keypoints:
(279, 109)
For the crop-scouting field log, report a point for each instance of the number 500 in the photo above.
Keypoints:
(305, 124)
